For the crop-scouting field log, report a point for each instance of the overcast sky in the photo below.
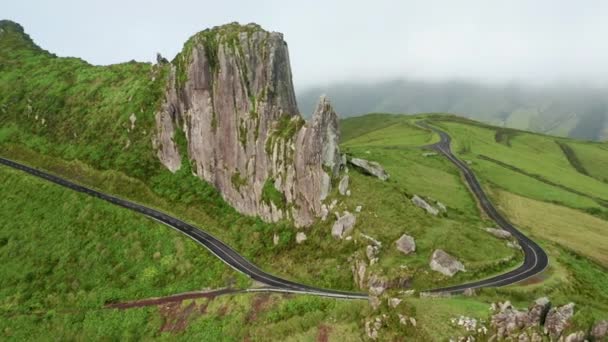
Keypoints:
(492, 41)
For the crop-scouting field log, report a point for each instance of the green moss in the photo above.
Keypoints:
(285, 128)
(270, 194)
(237, 180)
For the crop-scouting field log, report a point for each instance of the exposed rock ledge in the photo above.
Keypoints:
(230, 93)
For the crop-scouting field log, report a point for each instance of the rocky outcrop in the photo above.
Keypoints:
(419, 202)
(499, 233)
(230, 110)
(343, 226)
(538, 311)
(558, 319)
(370, 168)
(406, 244)
(359, 270)
(445, 264)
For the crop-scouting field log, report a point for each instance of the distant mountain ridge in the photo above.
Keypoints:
(577, 112)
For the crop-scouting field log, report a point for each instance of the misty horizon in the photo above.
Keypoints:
(536, 44)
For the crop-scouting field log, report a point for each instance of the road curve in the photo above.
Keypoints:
(214, 245)
(535, 258)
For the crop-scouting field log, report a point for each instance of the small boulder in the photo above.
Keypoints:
(343, 226)
(377, 285)
(558, 319)
(499, 233)
(445, 264)
(442, 207)
(578, 336)
(393, 302)
(343, 186)
(422, 204)
(374, 302)
(359, 270)
(300, 237)
(406, 244)
(324, 212)
(275, 239)
(370, 167)
(358, 209)
(600, 330)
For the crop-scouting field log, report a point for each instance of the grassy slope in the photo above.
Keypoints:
(67, 252)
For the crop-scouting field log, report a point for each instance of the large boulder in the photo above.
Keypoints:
(499, 233)
(343, 225)
(370, 167)
(406, 244)
(558, 319)
(419, 202)
(445, 264)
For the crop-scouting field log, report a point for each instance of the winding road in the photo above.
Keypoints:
(535, 258)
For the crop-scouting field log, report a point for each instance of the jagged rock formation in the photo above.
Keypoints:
(230, 94)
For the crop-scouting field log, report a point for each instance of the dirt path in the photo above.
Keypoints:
(169, 299)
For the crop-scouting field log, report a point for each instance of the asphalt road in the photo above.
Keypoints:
(535, 258)
(214, 245)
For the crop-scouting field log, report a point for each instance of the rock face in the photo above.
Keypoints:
(230, 110)
(538, 311)
(499, 233)
(343, 226)
(445, 264)
(406, 244)
(558, 319)
(370, 167)
(419, 202)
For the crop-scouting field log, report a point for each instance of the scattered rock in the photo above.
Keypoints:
(578, 336)
(513, 245)
(422, 204)
(370, 167)
(469, 292)
(275, 239)
(372, 327)
(132, 118)
(374, 241)
(445, 264)
(347, 192)
(300, 237)
(343, 226)
(343, 186)
(372, 253)
(377, 285)
(333, 204)
(359, 270)
(499, 233)
(558, 319)
(442, 207)
(406, 244)
(324, 212)
(358, 209)
(394, 302)
(413, 321)
(600, 330)
(374, 302)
